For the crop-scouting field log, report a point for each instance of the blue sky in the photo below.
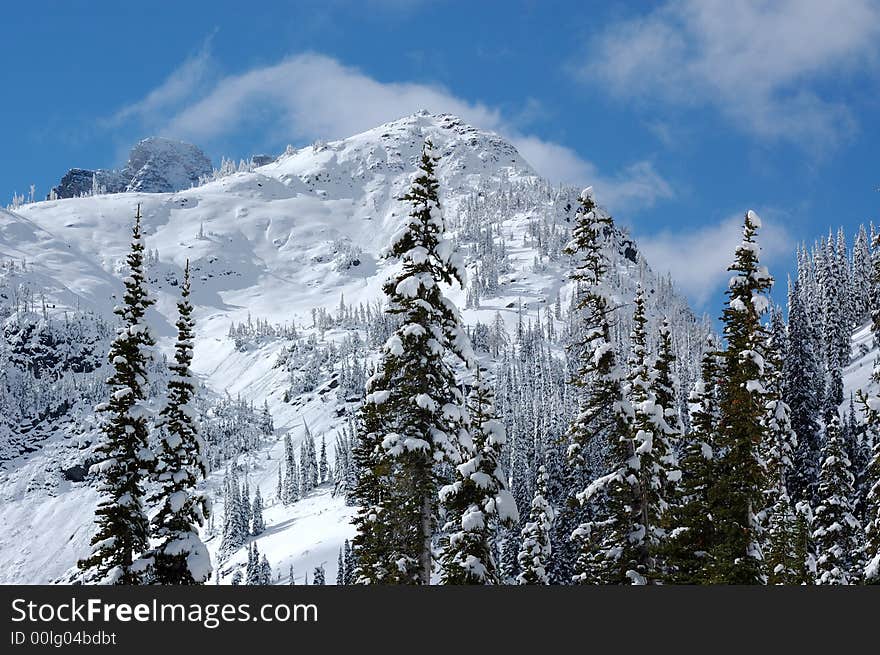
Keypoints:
(682, 114)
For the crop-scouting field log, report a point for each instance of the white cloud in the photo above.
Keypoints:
(638, 185)
(697, 259)
(311, 96)
(759, 63)
(176, 88)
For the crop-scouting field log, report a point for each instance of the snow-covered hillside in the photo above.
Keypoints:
(857, 376)
(274, 244)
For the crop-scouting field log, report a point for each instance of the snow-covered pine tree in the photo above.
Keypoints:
(373, 544)
(872, 505)
(252, 572)
(180, 557)
(234, 529)
(783, 564)
(665, 382)
(653, 458)
(875, 287)
(803, 388)
(835, 323)
(836, 531)
(279, 487)
(349, 564)
(861, 278)
(536, 550)
(601, 427)
(845, 279)
(257, 522)
(477, 502)
(291, 492)
(418, 410)
(308, 461)
(870, 406)
(318, 576)
(736, 494)
(123, 453)
(340, 568)
(323, 467)
(691, 528)
(265, 572)
(245, 506)
(803, 544)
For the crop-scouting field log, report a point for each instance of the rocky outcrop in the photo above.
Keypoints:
(159, 165)
(262, 160)
(155, 165)
(83, 182)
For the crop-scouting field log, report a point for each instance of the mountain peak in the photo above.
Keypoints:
(155, 165)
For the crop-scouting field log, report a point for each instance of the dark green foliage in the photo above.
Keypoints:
(836, 531)
(736, 496)
(124, 456)
(413, 416)
(180, 557)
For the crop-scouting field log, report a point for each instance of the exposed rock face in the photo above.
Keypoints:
(82, 182)
(155, 165)
(262, 160)
(159, 165)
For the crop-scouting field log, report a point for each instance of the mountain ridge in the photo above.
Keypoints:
(284, 244)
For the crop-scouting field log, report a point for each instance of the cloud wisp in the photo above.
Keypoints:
(697, 259)
(759, 64)
(311, 96)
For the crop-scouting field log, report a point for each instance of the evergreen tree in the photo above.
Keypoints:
(123, 453)
(692, 529)
(870, 406)
(265, 572)
(373, 543)
(291, 492)
(180, 557)
(340, 568)
(245, 506)
(836, 531)
(279, 487)
(536, 549)
(803, 384)
(253, 571)
(652, 454)
(601, 428)
(836, 336)
(665, 382)
(736, 496)
(323, 467)
(234, 529)
(872, 507)
(308, 462)
(477, 502)
(349, 564)
(318, 576)
(861, 278)
(782, 563)
(416, 414)
(805, 554)
(257, 522)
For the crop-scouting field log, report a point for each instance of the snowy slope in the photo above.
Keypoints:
(857, 376)
(274, 243)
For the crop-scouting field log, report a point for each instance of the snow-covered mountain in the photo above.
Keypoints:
(279, 245)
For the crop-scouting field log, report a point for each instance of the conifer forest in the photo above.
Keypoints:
(432, 346)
